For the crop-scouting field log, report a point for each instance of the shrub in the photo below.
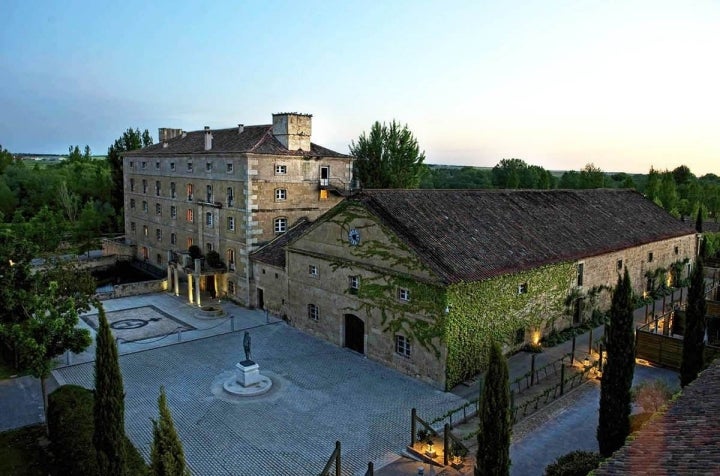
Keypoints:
(577, 463)
(70, 424)
(651, 395)
(212, 258)
(195, 252)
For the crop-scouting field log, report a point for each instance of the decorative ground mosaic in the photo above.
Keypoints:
(139, 323)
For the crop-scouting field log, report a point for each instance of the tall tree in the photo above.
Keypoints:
(47, 331)
(493, 455)
(592, 177)
(167, 457)
(699, 221)
(693, 354)
(130, 140)
(109, 410)
(615, 396)
(389, 157)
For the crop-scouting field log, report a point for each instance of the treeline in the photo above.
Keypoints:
(678, 191)
(72, 202)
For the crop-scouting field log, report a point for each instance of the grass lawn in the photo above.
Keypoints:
(20, 453)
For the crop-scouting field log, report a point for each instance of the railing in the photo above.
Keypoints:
(334, 458)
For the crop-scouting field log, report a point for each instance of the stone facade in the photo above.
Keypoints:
(227, 190)
(361, 279)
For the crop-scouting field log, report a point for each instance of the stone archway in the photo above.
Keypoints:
(354, 333)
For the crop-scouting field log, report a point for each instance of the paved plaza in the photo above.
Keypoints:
(321, 393)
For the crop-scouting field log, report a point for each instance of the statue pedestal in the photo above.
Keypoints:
(249, 373)
(247, 381)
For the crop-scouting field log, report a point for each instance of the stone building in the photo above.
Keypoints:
(229, 191)
(421, 280)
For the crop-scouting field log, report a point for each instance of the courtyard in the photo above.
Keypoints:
(320, 394)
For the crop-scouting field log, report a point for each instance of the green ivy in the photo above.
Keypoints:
(493, 310)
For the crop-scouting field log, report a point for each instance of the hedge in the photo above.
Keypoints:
(577, 463)
(70, 424)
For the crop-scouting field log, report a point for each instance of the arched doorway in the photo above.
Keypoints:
(354, 333)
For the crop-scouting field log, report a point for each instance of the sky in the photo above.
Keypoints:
(624, 85)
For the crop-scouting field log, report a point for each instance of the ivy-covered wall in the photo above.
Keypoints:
(494, 309)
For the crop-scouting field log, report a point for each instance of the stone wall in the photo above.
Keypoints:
(136, 289)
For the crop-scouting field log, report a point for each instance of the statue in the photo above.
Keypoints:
(246, 345)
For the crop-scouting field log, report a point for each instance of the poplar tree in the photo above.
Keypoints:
(167, 457)
(109, 409)
(615, 397)
(693, 353)
(493, 455)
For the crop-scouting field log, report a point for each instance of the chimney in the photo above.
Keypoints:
(293, 130)
(208, 138)
(241, 128)
(167, 133)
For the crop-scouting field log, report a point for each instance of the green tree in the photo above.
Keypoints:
(109, 410)
(570, 180)
(591, 177)
(47, 331)
(6, 158)
(167, 457)
(493, 455)
(615, 395)
(389, 157)
(130, 140)
(668, 193)
(89, 227)
(693, 354)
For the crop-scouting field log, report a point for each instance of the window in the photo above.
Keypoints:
(650, 257)
(145, 206)
(231, 287)
(229, 167)
(522, 288)
(677, 250)
(144, 182)
(173, 238)
(209, 219)
(208, 166)
(280, 225)
(132, 226)
(132, 164)
(143, 165)
(313, 271)
(619, 265)
(208, 247)
(132, 203)
(403, 294)
(158, 234)
(208, 193)
(189, 192)
(157, 165)
(189, 167)
(280, 169)
(230, 193)
(402, 345)
(580, 272)
(189, 215)
(157, 188)
(189, 242)
(132, 184)
(231, 259)
(173, 212)
(173, 192)
(158, 258)
(280, 194)
(354, 284)
(145, 230)
(313, 312)
(231, 223)
(172, 166)
(158, 209)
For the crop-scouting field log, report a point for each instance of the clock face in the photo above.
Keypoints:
(354, 237)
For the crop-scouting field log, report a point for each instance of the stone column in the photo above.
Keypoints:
(197, 290)
(169, 276)
(176, 282)
(190, 288)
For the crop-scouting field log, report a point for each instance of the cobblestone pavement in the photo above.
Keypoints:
(321, 393)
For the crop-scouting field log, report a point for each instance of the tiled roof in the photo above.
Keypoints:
(253, 139)
(685, 440)
(273, 253)
(471, 235)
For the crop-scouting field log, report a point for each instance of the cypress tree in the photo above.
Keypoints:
(109, 410)
(167, 457)
(493, 455)
(693, 355)
(699, 221)
(615, 397)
